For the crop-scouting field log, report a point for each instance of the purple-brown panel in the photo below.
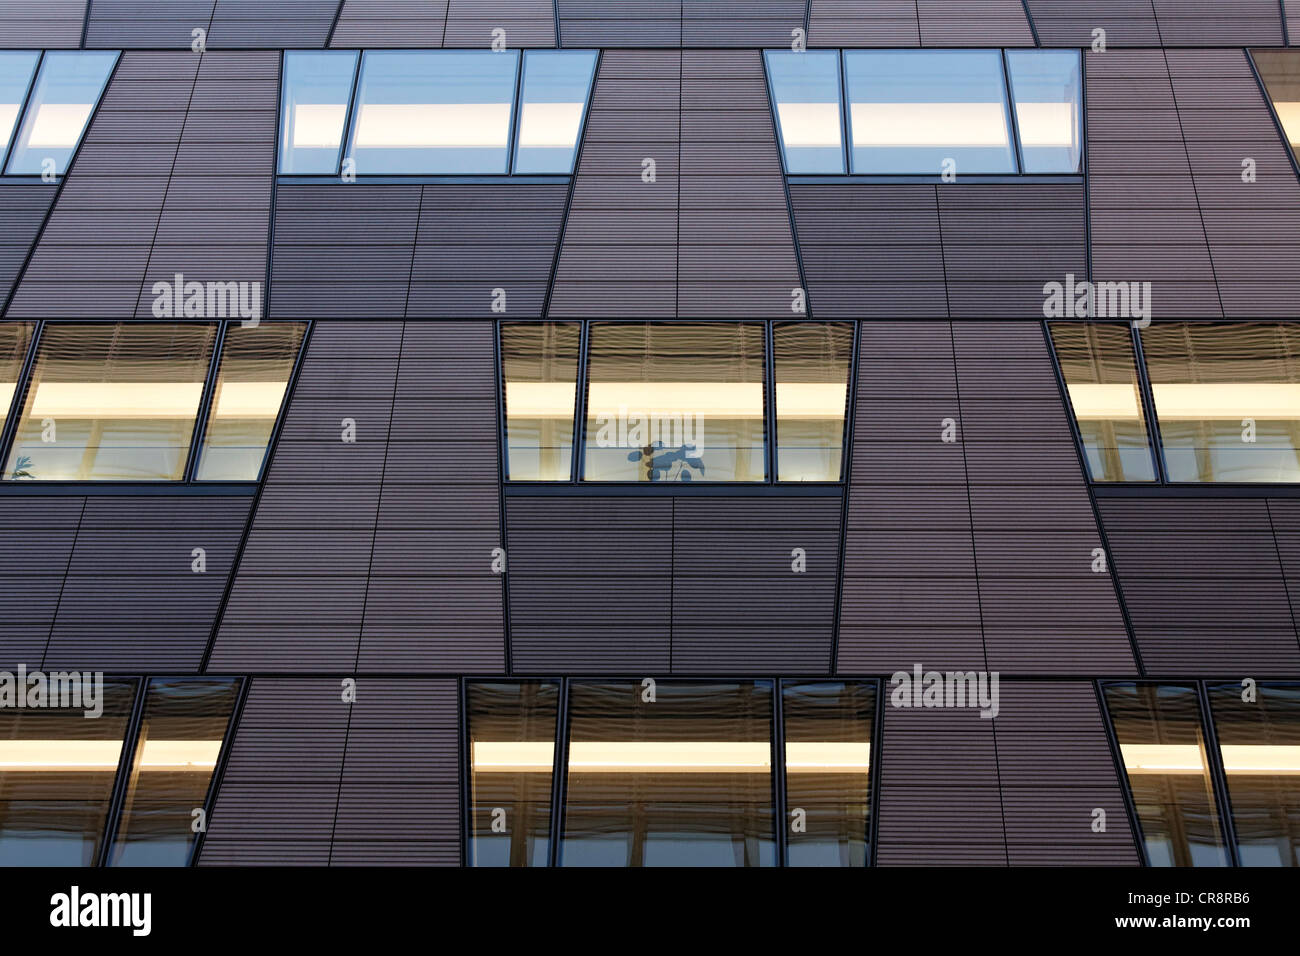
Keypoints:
(291, 24)
(958, 23)
(743, 23)
(23, 208)
(1219, 22)
(390, 23)
(851, 23)
(44, 531)
(41, 24)
(1284, 514)
(471, 24)
(631, 23)
(146, 24)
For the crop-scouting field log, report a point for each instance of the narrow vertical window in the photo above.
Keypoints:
(66, 92)
(182, 729)
(811, 362)
(315, 91)
(828, 728)
(553, 100)
(806, 95)
(1280, 71)
(1048, 95)
(1164, 751)
(16, 69)
(675, 775)
(1105, 392)
(511, 762)
(539, 362)
(15, 337)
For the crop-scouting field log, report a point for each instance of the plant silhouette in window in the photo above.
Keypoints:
(668, 464)
(20, 468)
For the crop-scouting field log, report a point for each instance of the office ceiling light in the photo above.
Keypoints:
(109, 400)
(1046, 124)
(58, 125)
(1227, 400)
(1243, 759)
(318, 125)
(98, 756)
(1104, 401)
(550, 125)
(671, 756)
(249, 399)
(815, 125)
(433, 125)
(929, 124)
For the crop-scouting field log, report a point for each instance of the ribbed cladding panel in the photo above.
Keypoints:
(885, 23)
(745, 23)
(108, 207)
(590, 584)
(399, 804)
(343, 250)
(300, 588)
(1001, 244)
(146, 24)
(1127, 23)
(228, 139)
(620, 239)
(1045, 610)
(132, 600)
(1204, 585)
(1056, 769)
(390, 23)
(434, 603)
(1219, 22)
(628, 23)
(42, 530)
(527, 23)
(292, 24)
(1146, 225)
(738, 605)
(23, 208)
(958, 23)
(870, 251)
(475, 239)
(41, 24)
(278, 797)
(1284, 513)
(735, 252)
(1253, 227)
(1292, 23)
(909, 592)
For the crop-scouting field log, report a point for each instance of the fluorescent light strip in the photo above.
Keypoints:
(58, 125)
(433, 126)
(929, 124)
(807, 400)
(1288, 115)
(809, 125)
(8, 114)
(1190, 401)
(104, 400)
(673, 756)
(95, 756)
(318, 125)
(249, 399)
(1046, 124)
(1240, 759)
(549, 125)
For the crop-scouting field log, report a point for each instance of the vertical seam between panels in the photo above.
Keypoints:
(1286, 585)
(1029, 18)
(85, 23)
(410, 280)
(343, 766)
(943, 264)
(67, 569)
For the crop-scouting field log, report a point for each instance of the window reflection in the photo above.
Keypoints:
(553, 98)
(15, 337)
(1048, 93)
(16, 69)
(539, 363)
(806, 99)
(511, 762)
(67, 89)
(812, 372)
(314, 98)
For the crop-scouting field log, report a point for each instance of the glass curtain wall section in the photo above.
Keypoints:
(805, 89)
(16, 69)
(539, 364)
(314, 95)
(553, 98)
(68, 86)
(811, 362)
(1047, 90)
(15, 338)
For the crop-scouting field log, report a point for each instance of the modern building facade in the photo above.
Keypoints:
(639, 433)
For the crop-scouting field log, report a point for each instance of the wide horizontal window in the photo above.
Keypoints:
(63, 97)
(948, 113)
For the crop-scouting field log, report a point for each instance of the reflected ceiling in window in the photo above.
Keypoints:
(63, 97)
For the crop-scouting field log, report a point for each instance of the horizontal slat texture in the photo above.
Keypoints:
(292, 24)
(147, 24)
(41, 24)
(23, 208)
(526, 23)
(43, 531)
(390, 23)
(629, 23)
(1154, 23)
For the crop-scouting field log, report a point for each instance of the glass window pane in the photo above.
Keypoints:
(67, 90)
(1163, 748)
(554, 97)
(1280, 71)
(812, 374)
(315, 90)
(57, 769)
(1227, 398)
(683, 780)
(1101, 378)
(828, 771)
(256, 364)
(16, 69)
(1048, 94)
(14, 340)
(511, 761)
(112, 402)
(912, 110)
(540, 369)
(434, 112)
(806, 99)
(1260, 744)
(675, 402)
(182, 729)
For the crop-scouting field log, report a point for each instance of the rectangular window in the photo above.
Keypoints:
(57, 770)
(683, 780)
(806, 97)
(1048, 92)
(1280, 71)
(811, 362)
(675, 402)
(511, 763)
(1163, 747)
(314, 96)
(539, 362)
(828, 727)
(1260, 744)
(182, 729)
(16, 69)
(553, 100)
(112, 402)
(67, 90)
(15, 338)
(256, 365)
(1105, 393)
(1227, 399)
(928, 111)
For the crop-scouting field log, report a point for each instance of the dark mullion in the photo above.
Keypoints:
(350, 118)
(26, 105)
(558, 773)
(1218, 775)
(578, 468)
(769, 402)
(846, 127)
(122, 778)
(874, 774)
(778, 773)
(517, 110)
(19, 399)
(205, 403)
(1149, 402)
(1014, 125)
(219, 771)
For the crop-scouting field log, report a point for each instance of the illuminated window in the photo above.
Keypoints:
(256, 365)
(1227, 399)
(540, 370)
(57, 770)
(1164, 751)
(67, 90)
(812, 373)
(16, 69)
(828, 771)
(675, 402)
(806, 99)
(1105, 393)
(553, 100)
(1048, 94)
(1259, 740)
(182, 728)
(684, 780)
(15, 337)
(511, 763)
(314, 99)
(1280, 71)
